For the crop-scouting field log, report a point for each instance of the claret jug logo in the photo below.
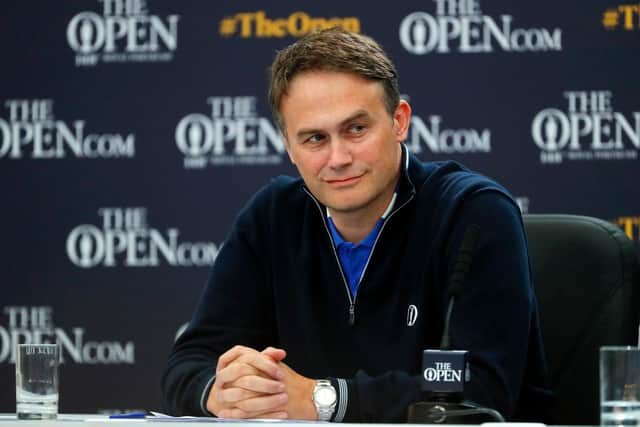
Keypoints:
(589, 129)
(31, 130)
(257, 24)
(34, 325)
(232, 134)
(126, 238)
(460, 26)
(624, 17)
(125, 32)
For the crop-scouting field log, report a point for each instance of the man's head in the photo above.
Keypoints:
(336, 50)
(335, 96)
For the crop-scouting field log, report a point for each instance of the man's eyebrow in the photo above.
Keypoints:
(360, 114)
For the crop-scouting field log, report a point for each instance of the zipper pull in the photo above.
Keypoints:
(352, 314)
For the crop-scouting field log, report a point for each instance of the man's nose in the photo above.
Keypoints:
(340, 154)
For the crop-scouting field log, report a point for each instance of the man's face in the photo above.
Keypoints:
(343, 141)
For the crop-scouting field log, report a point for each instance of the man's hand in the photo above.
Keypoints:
(248, 384)
(299, 389)
(252, 384)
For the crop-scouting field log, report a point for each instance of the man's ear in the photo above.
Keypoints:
(401, 120)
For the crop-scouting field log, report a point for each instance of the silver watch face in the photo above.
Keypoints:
(325, 396)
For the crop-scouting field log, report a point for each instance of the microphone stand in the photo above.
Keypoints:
(444, 403)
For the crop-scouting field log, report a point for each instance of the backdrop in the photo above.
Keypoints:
(132, 131)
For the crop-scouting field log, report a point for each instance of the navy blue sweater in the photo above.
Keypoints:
(277, 282)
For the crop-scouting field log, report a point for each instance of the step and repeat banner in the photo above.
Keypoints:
(132, 132)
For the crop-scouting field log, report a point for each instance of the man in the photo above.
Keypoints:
(330, 286)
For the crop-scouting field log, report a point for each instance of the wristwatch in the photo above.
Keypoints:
(324, 397)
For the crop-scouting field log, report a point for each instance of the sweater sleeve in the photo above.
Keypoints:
(231, 311)
(494, 318)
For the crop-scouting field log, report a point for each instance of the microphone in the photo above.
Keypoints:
(445, 371)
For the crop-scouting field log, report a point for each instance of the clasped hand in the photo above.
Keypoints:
(253, 384)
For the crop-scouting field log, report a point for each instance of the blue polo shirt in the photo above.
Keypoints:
(354, 257)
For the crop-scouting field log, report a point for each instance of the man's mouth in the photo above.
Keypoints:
(344, 181)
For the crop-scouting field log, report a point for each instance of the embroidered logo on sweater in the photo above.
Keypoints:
(412, 315)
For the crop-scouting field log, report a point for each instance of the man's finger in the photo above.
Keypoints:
(233, 372)
(246, 355)
(221, 398)
(260, 362)
(232, 354)
(234, 394)
(265, 364)
(276, 354)
(258, 384)
(264, 403)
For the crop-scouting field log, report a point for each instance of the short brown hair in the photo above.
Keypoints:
(333, 49)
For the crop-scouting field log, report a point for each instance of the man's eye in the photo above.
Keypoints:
(315, 138)
(357, 128)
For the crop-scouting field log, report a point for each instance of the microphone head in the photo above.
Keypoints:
(470, 238)
(455, 288)
(463, 261)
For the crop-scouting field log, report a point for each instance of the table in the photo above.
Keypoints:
(97, 420)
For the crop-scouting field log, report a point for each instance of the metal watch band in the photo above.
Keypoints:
(324, 411)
